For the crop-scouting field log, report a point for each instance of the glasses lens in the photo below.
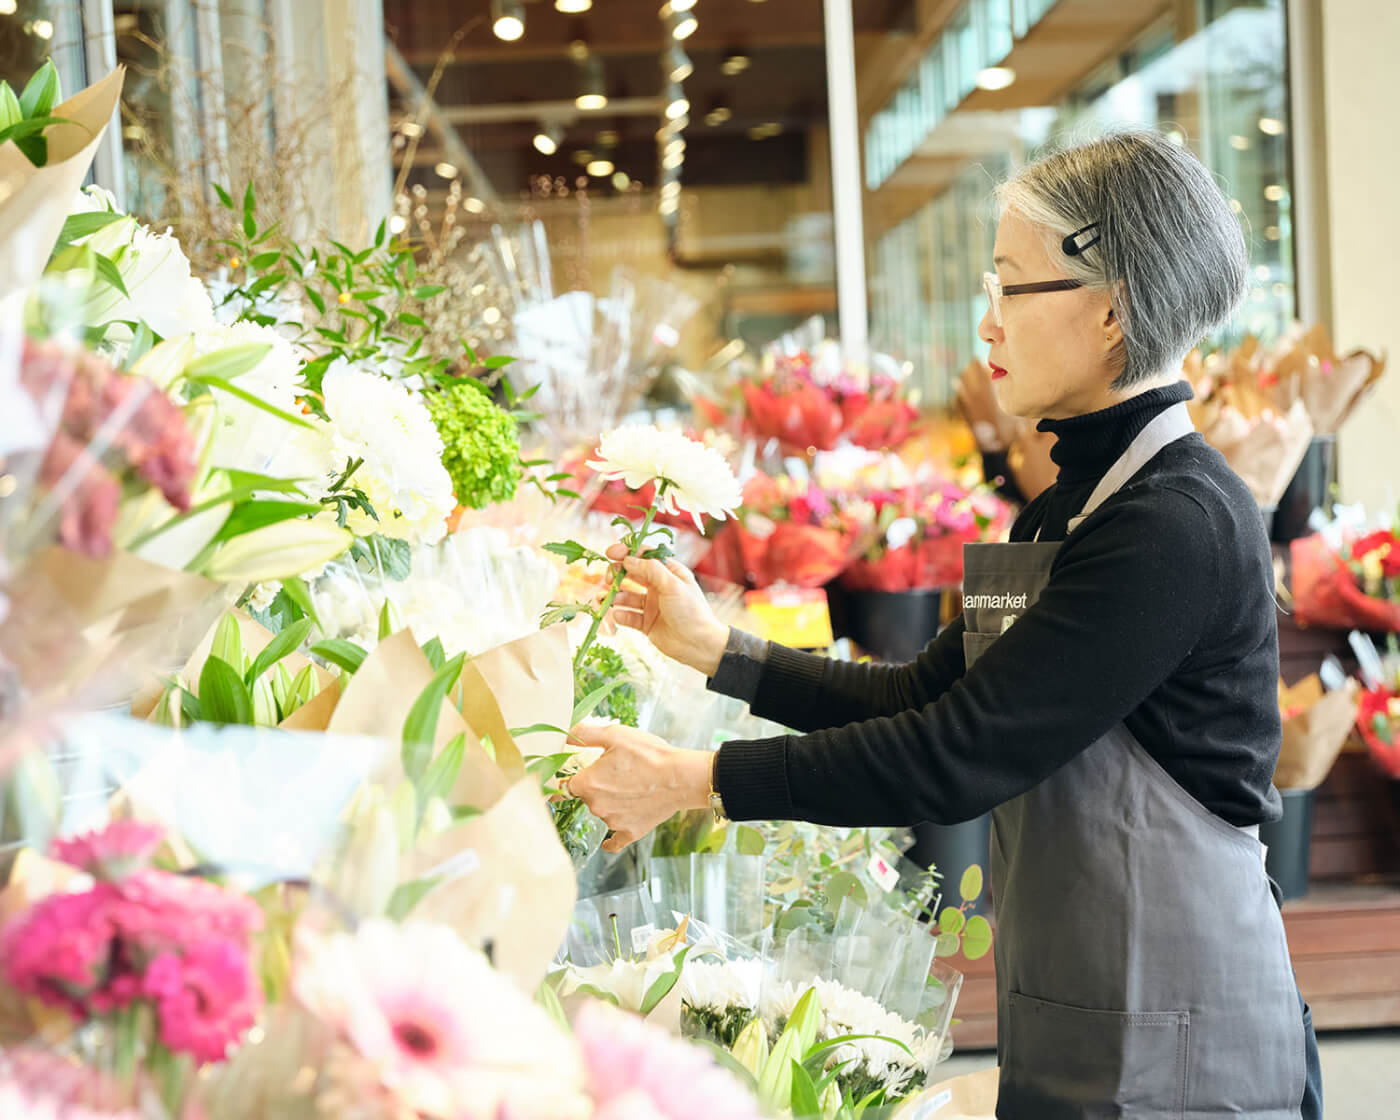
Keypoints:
(992, 286)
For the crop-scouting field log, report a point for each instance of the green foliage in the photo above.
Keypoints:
(481, 444)
(600, 665)
(23, 119)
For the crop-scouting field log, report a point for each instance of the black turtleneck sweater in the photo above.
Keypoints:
(1158, 614)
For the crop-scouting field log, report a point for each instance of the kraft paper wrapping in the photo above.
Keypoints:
(1313, 737)
(75, 619)
(377, 700)
(1329, 385)
(1263, 447)
(972, 1096)
(532, 680)
(35, 201)
(506, 882)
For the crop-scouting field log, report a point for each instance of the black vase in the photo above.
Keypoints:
(1310, 489)
(1289, 842)
(894, 625)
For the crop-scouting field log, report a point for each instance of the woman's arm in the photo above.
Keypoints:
(1128, 601)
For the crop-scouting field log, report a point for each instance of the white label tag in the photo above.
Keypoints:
(932, 1106)
(883, 874)
(454, 867)
(641, 938)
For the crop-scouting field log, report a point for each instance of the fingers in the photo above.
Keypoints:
(603, 735)
(618, 841)
(681, 572)
(633, 620)
(630, 600)
(651, 574)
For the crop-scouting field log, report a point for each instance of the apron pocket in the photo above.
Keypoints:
(975, 645)
(1072, 1063)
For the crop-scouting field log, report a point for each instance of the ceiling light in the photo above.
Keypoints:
(7, 7)
(592, 95)
(607, 138)
(42, 28)
(682, 24)
(1273, 192)
(681, 5)
(1270, 126)
(765, 131)
(673, 160)
(1239, 143)
(578, 50)
(718, 116)
(473, 205)
(673, 187)
(583, 158)
(675, 144)
(508, 19)
(995, 77)
(735, 62)
(446, 170)
(572, 7)
(676, 64)
(621, 180)
(669, 205)
(398, 223)
(600, 168)
(547, 139)
(678, 106)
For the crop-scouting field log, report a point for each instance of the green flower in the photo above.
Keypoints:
(481, 444)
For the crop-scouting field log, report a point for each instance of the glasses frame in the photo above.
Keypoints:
(996, 291)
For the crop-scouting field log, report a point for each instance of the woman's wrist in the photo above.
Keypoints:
(710, 651)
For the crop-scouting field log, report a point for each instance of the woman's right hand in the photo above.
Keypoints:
(670, 610)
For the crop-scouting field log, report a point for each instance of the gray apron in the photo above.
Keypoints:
(1141, 963)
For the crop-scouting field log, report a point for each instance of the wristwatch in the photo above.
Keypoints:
(716, 801)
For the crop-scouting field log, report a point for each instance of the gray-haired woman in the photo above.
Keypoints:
(1109, 692)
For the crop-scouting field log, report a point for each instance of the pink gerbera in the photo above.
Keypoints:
(112, 852)
(637, 1071)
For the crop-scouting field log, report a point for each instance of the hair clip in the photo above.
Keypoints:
(1073, 247)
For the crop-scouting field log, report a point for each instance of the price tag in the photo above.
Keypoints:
(791, 616)
(933, 1105)
(641, 938)
(883, 874)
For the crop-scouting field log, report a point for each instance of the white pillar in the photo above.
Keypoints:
(847, 203)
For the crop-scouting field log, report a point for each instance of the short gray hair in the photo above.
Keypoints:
(1170, 251)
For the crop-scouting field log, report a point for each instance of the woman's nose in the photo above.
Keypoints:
(987, 329)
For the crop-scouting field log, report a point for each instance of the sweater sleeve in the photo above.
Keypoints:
(1129, 597)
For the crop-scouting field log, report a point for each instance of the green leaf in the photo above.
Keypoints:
(844, 885)
(536, 728)
(971, 883)
(386, 620)
(266, 260)
(545, 766)
(976, 938)
(748, 841)
(10, 112)
(41, 93)
(316, 301)
(77, 226)
(952, 920)
(224, 196)
(110, 273)
(141, 342)
(248, 516)
(433, 651)
(31, 126)
(228, 642)
(420, 726)
(804, 1093)
(228, 361)
(561, 612)
(411, 319)
(548, 998)
(500, 361)
(296, 590)
(282, 644)
(252, 398)
(223, 697)
(947, 945)
(585, 707)
(341, 651)
(663, 984)
(816, 1056)
(427, 291)
(189, 705)
(572, 551)
(393, 557)
(250, 203)
(442, 772)
(406, 896)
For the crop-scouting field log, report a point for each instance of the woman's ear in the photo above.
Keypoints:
(1112, 328)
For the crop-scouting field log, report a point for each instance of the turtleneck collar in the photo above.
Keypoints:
(1088, 445)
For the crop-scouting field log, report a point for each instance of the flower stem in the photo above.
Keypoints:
(634, 542)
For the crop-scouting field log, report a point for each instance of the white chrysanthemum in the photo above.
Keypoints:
(250, 438)
(699, 481)
(390, 429)
(721, 984)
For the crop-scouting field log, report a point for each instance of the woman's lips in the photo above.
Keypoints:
(997, 372)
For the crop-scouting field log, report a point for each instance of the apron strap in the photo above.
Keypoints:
(1165, 428)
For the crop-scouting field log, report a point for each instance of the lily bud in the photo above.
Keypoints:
(278, 551)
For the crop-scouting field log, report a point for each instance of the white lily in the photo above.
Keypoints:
(279, 551)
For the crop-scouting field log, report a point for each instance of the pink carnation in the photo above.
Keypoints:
(59, 950)
(636, 1070)
(112, 852)
(205, 998)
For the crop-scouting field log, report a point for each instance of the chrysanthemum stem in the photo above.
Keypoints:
(638, 539)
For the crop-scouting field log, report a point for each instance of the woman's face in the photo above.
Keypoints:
(1050, 355)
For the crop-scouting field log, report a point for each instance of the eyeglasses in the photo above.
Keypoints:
(995, 290)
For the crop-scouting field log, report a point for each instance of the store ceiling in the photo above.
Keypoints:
(497, 94)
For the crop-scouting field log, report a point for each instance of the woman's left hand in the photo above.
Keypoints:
(638, 782)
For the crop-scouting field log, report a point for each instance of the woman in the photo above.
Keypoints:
(1109, 693)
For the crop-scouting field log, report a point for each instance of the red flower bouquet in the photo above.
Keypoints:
(1354, 587)
(1378, 721)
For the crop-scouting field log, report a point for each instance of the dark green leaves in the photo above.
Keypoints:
(282, 644)
(223, 697)
(41, 93)
(255, 515)
(342, 652)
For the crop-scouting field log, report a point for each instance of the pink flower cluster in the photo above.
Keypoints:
(179, 944)
(111, 852)
(40, 1085)
(148, 441)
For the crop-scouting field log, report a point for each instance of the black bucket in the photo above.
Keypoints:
(952, 849)
(894, 625)
(1289, 842)
(1310, 489)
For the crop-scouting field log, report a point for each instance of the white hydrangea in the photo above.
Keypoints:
(381, 423)
(700, 481)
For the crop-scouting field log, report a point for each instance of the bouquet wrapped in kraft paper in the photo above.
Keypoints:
(1305, 368)
(1316, 725)
(973, 1096)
